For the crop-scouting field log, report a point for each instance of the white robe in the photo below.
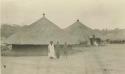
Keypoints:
(95, 43)
(51, 51)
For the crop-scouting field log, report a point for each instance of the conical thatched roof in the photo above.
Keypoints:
(80, 31)
(116, 35)
(40, 32)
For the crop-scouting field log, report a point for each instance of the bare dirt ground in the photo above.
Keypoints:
(109, 59)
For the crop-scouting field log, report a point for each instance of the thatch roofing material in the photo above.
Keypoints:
(41, 32)
(80, 31)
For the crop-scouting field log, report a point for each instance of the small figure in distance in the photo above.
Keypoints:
(57, 50)
(65, 49)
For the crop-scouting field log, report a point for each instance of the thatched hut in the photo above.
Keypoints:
(115, 36)
(81, 32)
(38, 35)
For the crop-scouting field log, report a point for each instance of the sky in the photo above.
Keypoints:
(96, 14)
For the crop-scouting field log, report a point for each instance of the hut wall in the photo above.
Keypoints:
(29, 50)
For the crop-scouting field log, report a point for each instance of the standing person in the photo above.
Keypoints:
(57, 50)
(51, 50)
(65, 49)
(95, 42)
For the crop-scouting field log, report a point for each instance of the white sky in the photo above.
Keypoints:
(93, 13)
